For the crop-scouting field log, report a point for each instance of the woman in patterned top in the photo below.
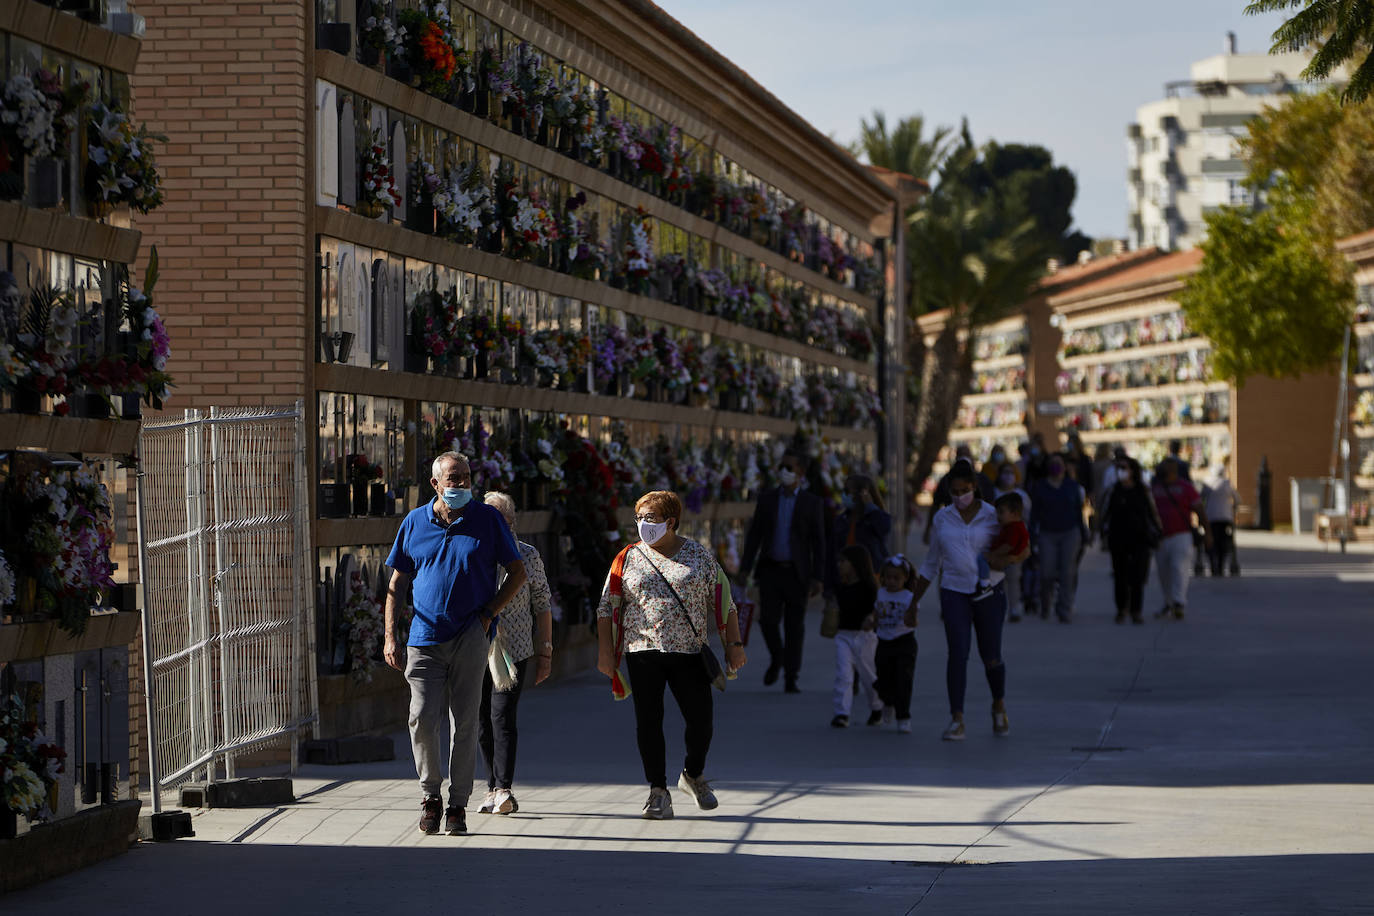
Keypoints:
(652, 588)
(526, 622)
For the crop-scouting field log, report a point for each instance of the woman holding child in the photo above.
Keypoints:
(961, 535)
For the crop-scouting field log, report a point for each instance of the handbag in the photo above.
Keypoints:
(830, 620)
(504, 674)
(715, 673)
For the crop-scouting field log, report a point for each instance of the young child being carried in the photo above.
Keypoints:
(895, 658)
(1011, 540)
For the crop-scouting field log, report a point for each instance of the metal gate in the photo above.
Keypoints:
(228, 627)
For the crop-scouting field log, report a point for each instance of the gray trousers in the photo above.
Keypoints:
(1059, 566)
(446, 678)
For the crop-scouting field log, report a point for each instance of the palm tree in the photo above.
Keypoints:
(970, 258)
(905, 148)
(1342, 30)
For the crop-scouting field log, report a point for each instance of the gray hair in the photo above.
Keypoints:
(437, 468)
(502, 503)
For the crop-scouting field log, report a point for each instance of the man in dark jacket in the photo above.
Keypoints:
(787, 539)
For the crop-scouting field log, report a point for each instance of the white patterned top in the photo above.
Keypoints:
(517, 618)
(650, 616)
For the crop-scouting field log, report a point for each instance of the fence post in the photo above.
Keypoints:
(154, 774)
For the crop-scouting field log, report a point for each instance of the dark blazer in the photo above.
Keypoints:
(807, 536)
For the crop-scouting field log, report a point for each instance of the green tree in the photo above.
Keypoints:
(1272, 296)
(1342, 31)
(976, 253)
(1313, 147)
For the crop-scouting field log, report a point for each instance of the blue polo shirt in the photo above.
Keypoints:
(452, 568)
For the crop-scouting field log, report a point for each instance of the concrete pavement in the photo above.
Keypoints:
(1224, 764)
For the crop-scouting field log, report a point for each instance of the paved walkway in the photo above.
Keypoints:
(1219, 765)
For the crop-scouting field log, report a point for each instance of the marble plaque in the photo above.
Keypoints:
(326, 144)
(348, 154)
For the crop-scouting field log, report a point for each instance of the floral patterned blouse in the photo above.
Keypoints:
(517, 618)
(651, 617)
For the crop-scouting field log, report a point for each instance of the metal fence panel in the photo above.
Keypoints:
(228, 620)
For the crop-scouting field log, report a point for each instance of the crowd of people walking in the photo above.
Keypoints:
(1003, 542)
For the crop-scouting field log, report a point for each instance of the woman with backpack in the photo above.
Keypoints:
(1131, 530)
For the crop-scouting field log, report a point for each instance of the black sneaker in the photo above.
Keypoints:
(840, 722)
(791, 687)
(455, 822)
(770, 677)
(875, 717)
(430, 810)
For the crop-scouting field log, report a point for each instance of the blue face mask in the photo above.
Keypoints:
(456, 498)
(847, 501)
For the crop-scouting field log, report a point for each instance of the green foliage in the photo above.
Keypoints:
(905, 148)
(1273, 297)
(1342, 30)
(1315, 151)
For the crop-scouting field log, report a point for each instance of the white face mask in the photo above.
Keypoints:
(651, 534)
(964, 500)
(787, 476)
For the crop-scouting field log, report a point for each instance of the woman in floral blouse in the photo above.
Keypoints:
(652, 588)
(527, 628)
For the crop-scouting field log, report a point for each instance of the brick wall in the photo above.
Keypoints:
(226, 83)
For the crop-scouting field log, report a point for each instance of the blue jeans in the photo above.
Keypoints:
(1059, 566)
(963, 617)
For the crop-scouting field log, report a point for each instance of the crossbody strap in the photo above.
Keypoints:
(682, 606)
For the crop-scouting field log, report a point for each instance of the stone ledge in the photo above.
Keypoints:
(75, 842)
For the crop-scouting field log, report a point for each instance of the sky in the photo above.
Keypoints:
(1065, 74)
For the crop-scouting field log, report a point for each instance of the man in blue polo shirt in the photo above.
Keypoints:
(449, 549)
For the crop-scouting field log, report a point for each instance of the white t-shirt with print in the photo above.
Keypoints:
(891, 608)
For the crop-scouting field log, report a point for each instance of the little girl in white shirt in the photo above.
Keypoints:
(896, 654)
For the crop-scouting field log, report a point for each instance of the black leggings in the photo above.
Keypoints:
(1130, 571)
(685, 676)
(496, 728)
(895, 661)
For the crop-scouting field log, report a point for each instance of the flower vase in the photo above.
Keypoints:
(539, 494)
(467, 100)
(398, 69)
(9, 823)
(480, 367)
(26, 400)
(541, 133)
(370, 209)
(415, 359)
(372, 57)
(129, 406)
(332, 500)
(729, 400)
(93, 406)
(376, 499)
(360, 497)
(491, 241)
(99, 209)
(651, 391)
(46, 190)
(421, 218)
(613, 163)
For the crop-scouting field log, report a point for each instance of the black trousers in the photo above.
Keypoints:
(895, 660)
(496, 728)
(684, 675)
(1130, 571)
(1223, 548)
(782, 616)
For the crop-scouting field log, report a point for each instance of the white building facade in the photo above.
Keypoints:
(1183, 150)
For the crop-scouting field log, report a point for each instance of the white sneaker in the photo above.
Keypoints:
(904, 726)
(699, 789)
(488, 803)
(889, 715)
(954, 731)
(502, 802)
(659, 807)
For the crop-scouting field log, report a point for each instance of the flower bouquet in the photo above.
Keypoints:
(586, 256)
(435, 58)
(379, 35)
(637, 255)
(362, 615)
(379, 184)
(120, 166)
(464, 204)
(29, 764)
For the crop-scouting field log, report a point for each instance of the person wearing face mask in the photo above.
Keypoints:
(1177, 503)
(1131, 530)
(1006, 483)
(663, 597)
(962, 533)
(785, 547)
(447, 553)
(993, 466)
(863, 522)
(1057, 527)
